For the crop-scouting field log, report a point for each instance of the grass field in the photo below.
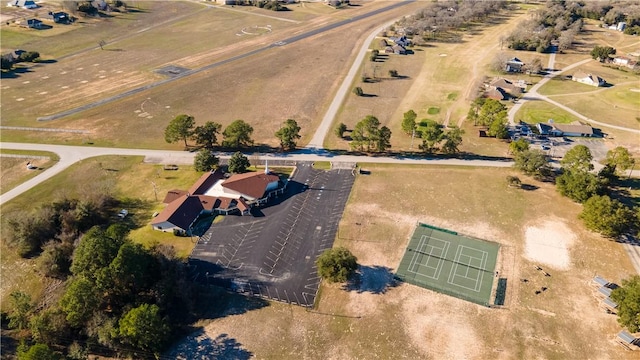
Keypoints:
(435, 80)
(220, 91)
(394, 320)
(542, 111)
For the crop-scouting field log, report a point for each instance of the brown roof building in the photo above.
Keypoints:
(212, 194)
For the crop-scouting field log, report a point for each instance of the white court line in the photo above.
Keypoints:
(420, 251)
(454, 269)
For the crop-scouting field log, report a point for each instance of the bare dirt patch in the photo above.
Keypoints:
(550, 243)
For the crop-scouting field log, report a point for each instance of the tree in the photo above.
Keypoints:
(490, 110)
(533, 67)
(288, 134)
(237, 134)
(336, 265)
(96, 251)
(28, 232)
(358, 91)
(180, 128)
(22, 307)
(79, 301)
(608, 217)
(131, 270)
(578, 158)
(207, 134)
(383, 142)
(409, 122)
(144, 328)
(518, 146)
(627, 297)
(579, 185)
(49, 326)
(238, 163)
(601, 53)
(374, 55)
(55, 259)
(619, 159)
(340, 130)
(431, 135)
(393, 73)
(452, 139)
(205, 160)
(532, 162)
(498, 126)
(29, 56)
(474, 110)
(38, 352)
(366, 133)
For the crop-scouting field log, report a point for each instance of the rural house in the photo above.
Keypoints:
(588, 79)
(215, 194)
(514, 65)
(575, 129)
(25, 4)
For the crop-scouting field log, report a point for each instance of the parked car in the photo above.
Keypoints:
(123, 213)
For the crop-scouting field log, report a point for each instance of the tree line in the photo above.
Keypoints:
(429, 23)
(236, 135)
(369, 136)
(600, 213)
(118, 298)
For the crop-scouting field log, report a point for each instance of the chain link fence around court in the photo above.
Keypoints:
(446, 248)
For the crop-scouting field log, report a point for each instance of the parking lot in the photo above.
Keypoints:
(557, 147)
(272, 253)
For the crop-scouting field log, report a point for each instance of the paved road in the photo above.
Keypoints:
(323, 129)
(72, 154)
(283, 42)
(533, 94)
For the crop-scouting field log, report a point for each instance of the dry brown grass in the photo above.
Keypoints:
(442, 75)
(408, 321)
(13, 171)
(296, 81)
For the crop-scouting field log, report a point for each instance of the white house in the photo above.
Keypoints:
(588, 79)
(25, 4)
(575, 129)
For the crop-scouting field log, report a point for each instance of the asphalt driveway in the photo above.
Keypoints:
(272, 253)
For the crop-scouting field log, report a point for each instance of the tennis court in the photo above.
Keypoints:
(450, 263)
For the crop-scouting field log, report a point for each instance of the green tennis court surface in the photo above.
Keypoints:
(444, 261)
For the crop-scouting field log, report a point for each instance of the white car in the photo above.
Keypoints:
(123, 213)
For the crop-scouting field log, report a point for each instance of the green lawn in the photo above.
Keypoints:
(542, 111)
